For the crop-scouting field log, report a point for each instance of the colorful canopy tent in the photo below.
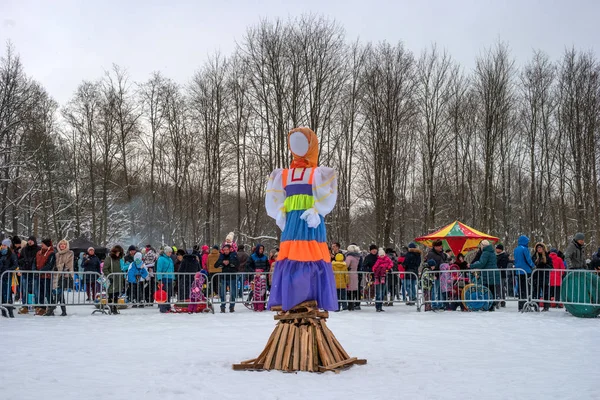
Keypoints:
(458, 237)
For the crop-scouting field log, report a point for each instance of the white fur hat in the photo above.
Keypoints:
(485, 243)
(229, 236)
(381, 252)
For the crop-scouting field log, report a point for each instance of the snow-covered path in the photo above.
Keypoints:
(142, 354)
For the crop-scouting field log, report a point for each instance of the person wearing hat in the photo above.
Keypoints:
(523, 267)
(437, 255)
(128, 257)
(502, 263)
(8, 262)
(353, 260)
(91, 269)
(412, 262)
(45, 260)
(574, 258)
(491, 278)
(27, 263)
(228, 263)
(165, 268)
(64, 263)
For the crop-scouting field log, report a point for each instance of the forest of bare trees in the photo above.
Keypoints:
(418, 142)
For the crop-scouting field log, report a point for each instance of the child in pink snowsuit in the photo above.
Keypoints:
(196, 295)
(260, 291)
(380, 269)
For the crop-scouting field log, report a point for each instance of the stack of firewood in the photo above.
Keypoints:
(301, 341)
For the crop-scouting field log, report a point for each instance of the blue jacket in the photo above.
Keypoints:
(257, 260)
(135, 273)
(522, 256)
(165, 267)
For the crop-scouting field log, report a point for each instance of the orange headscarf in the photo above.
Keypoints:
(310, 159)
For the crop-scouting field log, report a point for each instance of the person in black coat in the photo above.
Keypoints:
(188, 267)
(502, 263)
(27, 263)
(412, 262)
(91, 265)
(229, 264)
(541, 277)
(8, 262)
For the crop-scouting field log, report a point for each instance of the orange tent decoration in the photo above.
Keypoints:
(459, 237)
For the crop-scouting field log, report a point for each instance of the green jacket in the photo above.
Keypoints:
(117, 281)
(488, 261)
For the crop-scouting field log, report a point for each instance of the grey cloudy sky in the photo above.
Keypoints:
(63, 42)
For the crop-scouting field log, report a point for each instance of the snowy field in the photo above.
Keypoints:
(142, 354)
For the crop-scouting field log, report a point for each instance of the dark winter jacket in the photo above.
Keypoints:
(502, 260)
(114, 266)
(8, 262)
(27, 261)
(574, 258)
(412, 261)
(522, 257)
(92, 264)
(369, 262)
(231, 267)
(488, 261)
(542, 262)
(439, 258)
(189, 264)
(257, 260)
(243, 259)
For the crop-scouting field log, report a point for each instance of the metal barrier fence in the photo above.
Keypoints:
(41, 289)
(38, 291)
(172, 292)
(473, 289)
(251, 290)
(556, 288)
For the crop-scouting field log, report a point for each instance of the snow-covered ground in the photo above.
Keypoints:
(142, 354)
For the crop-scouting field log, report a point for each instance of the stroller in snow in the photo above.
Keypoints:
(199, 302)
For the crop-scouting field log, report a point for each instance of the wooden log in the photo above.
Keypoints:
(323, 314)
(296, 360)
(246, 367)
(326, 358)
(340, 364)
(281, 346)
(286, 316)
(311, 350)
(337, 356)
(276, 308)
(261, 357)
(268, 365)
(315, 359)
(360, 361)
(336, 342)
(248, 361)
(304, 349)
(288, 347)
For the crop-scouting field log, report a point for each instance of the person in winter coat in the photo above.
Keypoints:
(380, 269)
(340, 272)
(502, 263)
(8, 262)
(229, 263)
(113, 269)
(165, 269)
(44, 261)
(412, 262)
(243, 258)
(197, 298)
(461, 262)
(232, 244)
(137, 274)
(392, 279)
(523, 267)
(353, 263)
(260, 290)
(556, 276)
(437, 255)
(595, 264)
(491, 279)
(204, 258)
(64, 263)
(541, 276)
(27, 263)
(211, 263)
(574, 257)
(128, 258)
(188, 268)
(272, 265)
(257, 260)
(91, 267)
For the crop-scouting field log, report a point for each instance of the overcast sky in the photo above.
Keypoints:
(63, 42)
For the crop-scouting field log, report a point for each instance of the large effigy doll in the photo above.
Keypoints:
(299, 198)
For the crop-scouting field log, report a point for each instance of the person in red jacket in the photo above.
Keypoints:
(204, 259)
(556, 276)
(380, 269)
